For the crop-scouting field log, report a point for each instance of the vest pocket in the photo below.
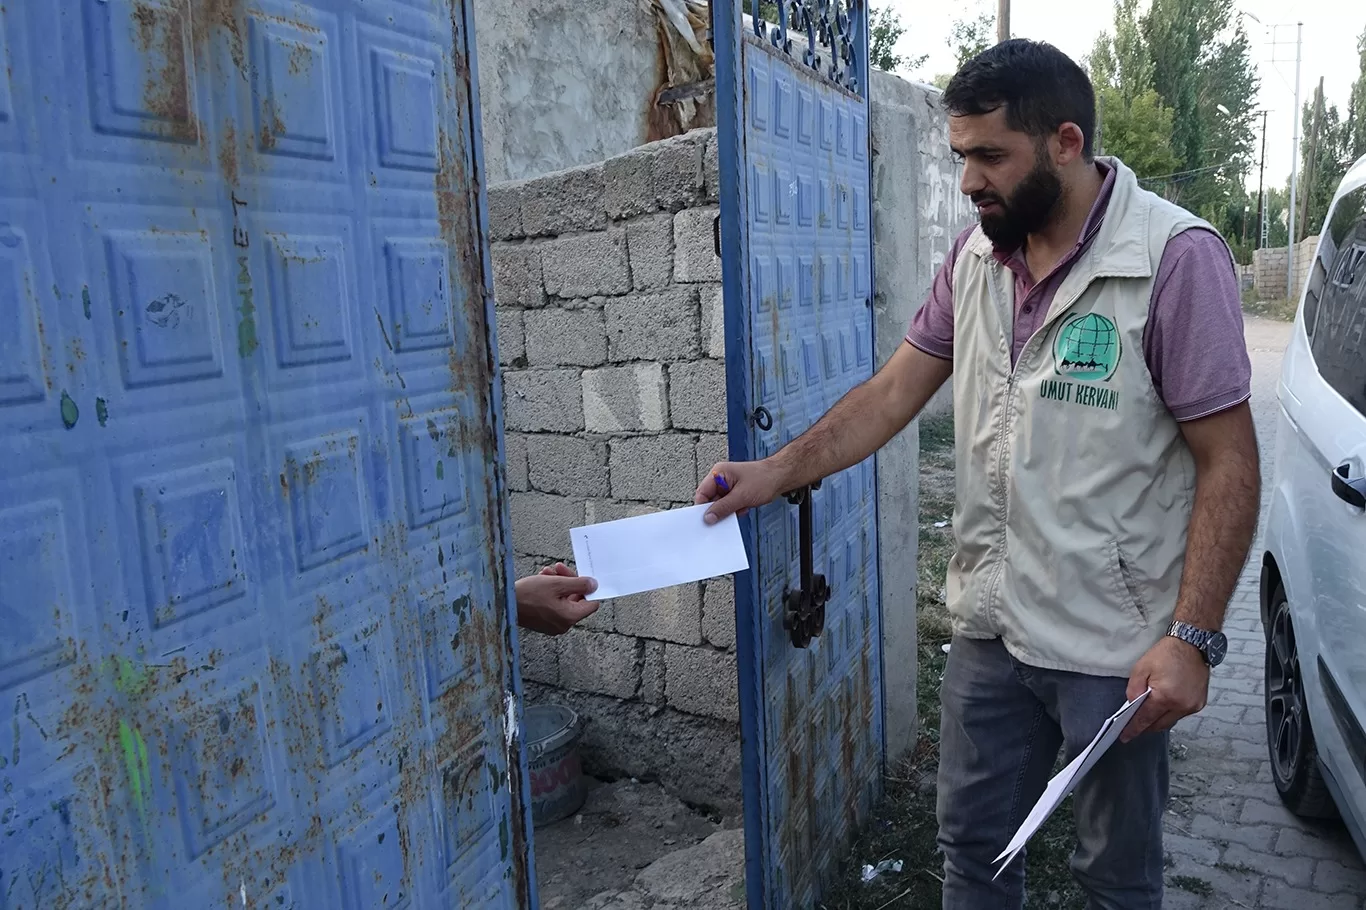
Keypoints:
(1129, 588)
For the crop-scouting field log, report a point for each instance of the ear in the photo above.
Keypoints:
(1068, 144)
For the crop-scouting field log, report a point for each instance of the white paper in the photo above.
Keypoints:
(1065, 781)
(658, 550)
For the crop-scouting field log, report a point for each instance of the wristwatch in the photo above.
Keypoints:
(1212, 645)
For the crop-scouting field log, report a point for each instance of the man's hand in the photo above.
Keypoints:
(736, 487)
(1179, 678)
(552, 601)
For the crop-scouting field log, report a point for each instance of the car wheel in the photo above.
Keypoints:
(1289, 737)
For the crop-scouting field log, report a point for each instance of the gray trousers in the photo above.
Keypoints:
(1001, 728)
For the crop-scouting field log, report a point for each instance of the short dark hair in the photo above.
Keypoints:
(1040, 87)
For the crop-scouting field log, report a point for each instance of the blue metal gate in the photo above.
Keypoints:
(254, 637)
(792, 118)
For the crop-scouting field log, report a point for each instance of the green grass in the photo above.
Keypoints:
(1192, 884)
(1281, 310)
(903, 826)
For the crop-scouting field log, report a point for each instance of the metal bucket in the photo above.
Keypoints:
(558, 789)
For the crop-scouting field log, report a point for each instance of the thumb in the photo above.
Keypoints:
(569, 585)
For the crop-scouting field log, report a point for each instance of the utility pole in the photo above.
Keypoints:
(1002, 20)
(1313, 158)
(1294, 171)
(1261, 194)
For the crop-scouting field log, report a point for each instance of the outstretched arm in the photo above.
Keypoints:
(858, 425)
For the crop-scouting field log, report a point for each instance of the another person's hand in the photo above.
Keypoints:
(1179, 678)
(734, 488)
(553, 601)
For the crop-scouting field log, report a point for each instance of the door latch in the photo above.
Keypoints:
(804, 608)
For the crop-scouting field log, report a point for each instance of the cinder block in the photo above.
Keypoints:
(536, 401)
(677, 177)
(560, 337)
(659, 326)
(650, 244)
(695, 256)
(540, 657)
(652, 673)
(567, 465)
(654, 468)
(586, 265)
(564, 201)
(668, 614)
(517, 275)
(515, 447)
(700, 681)
(541, 523)
(697, 395)
(711, 169)
(711, 451)
(718, 612)
(600, 510)
(598, 662)
(664, 175)
(628, 190)
(625, 399)
(713, 321)
(511, 338)
(505, 210)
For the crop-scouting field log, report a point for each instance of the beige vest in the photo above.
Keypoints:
(1074, 483)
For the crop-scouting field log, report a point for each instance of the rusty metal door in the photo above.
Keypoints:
(797, 255)
(254, 637)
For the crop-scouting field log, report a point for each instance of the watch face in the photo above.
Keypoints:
(1216, 649)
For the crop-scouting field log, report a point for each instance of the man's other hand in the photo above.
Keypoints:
(734, 488)
(553, 601)
(1179, 678)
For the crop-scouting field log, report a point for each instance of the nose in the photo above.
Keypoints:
(972, 180)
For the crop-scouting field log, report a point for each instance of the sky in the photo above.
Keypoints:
(1331, 28)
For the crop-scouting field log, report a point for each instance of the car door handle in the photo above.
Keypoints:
(1352, 492)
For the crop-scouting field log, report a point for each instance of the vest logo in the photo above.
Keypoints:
(1087, 348)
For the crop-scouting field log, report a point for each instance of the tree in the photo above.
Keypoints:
(1202, 61)
(969, 37)
(1356, 108)
(884, 31)
(1138, 132)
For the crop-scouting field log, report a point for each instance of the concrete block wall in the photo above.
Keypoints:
(1269, 267)
(612, 344)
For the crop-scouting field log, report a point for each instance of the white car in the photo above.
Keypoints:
(1313, 580)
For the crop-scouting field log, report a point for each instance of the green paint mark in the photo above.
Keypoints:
(131, 679)
(70, 413)
(246, 327)
(85, 300)
(440, 470)
(102, 411)
(135, 760)
(503, 837)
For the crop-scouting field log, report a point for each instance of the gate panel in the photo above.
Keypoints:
(797, 253)
(256, 639)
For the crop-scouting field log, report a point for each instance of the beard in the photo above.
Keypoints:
(1029, 209)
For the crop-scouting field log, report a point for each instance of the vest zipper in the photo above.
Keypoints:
(993, 589)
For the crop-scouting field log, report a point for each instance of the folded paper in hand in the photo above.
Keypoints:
(658, 550)
(1066, 780)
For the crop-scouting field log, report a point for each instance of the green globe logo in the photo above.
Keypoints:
(1087, 348)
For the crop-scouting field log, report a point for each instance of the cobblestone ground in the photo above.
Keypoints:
(1230, 842)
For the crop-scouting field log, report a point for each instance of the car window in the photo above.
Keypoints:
(1335, 302)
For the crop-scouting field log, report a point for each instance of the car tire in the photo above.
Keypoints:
(1289, 737)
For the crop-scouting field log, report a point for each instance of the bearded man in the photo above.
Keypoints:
(1107, 475)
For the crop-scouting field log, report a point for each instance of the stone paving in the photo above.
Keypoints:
(1230, 842)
